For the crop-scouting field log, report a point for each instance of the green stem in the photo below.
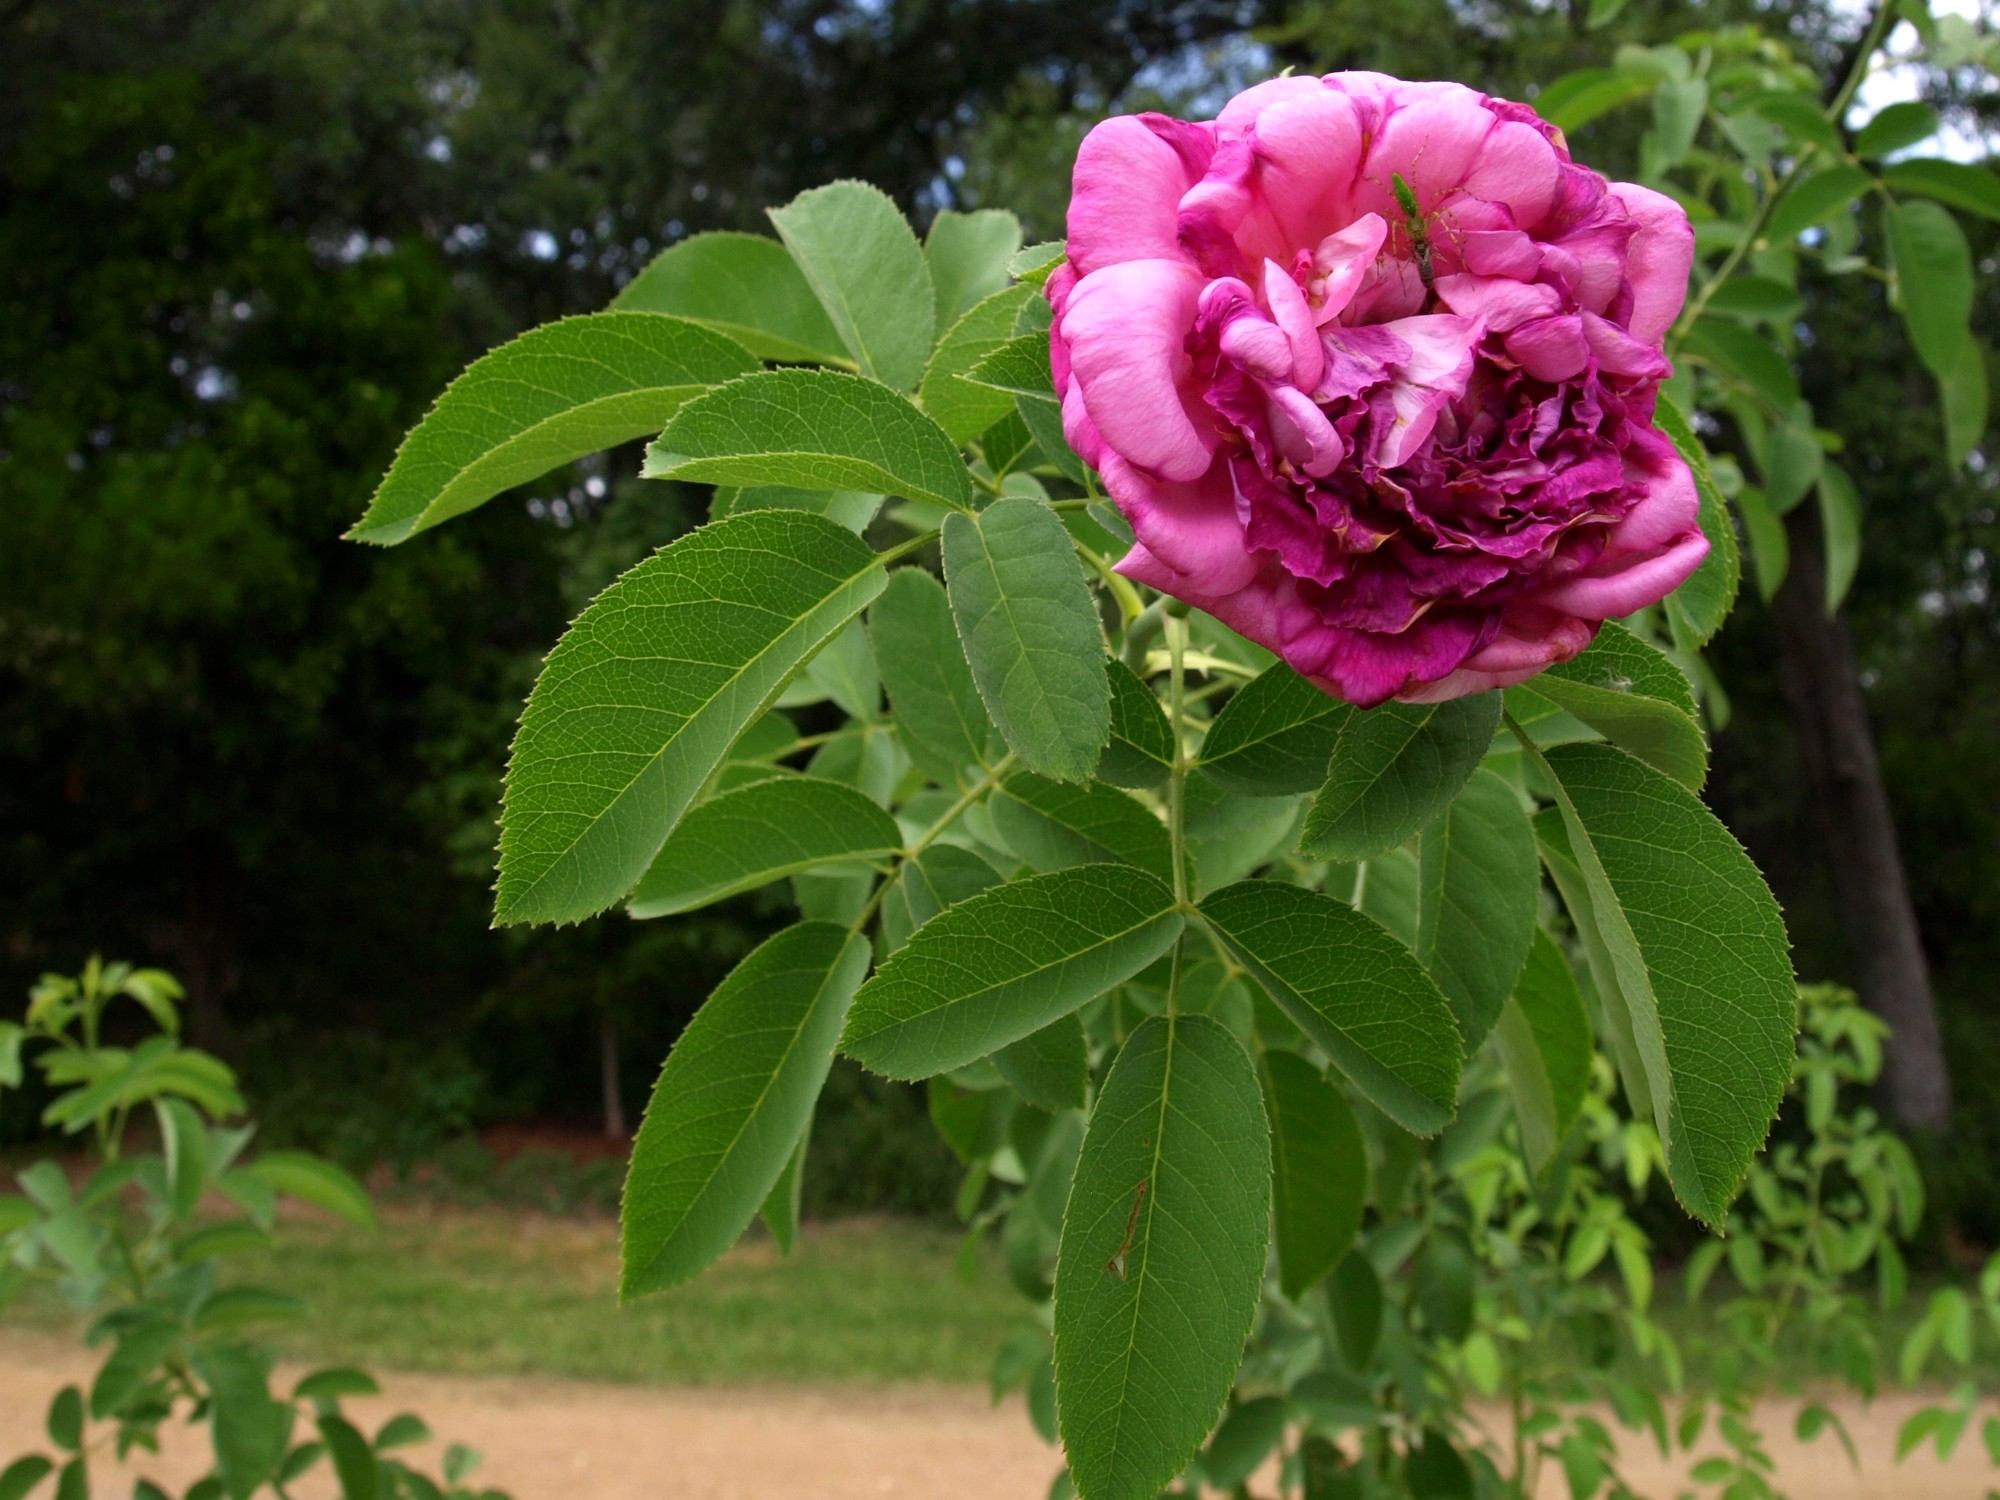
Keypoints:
(1177, 795)
(994, 776)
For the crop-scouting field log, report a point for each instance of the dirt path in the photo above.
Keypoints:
(545, 1439)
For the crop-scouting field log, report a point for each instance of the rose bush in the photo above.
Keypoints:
(1370, 368)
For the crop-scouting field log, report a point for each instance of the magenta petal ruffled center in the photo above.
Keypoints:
(1415, 459)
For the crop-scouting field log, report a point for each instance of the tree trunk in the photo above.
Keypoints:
(1844, 781)
(607, 1060)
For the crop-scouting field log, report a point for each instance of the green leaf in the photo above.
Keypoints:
(1478, 884)
(1895, 127)
(400, 1431)
(1162, 1256)
(1049, 1068)
(939, 715)
(184, 1144)
(968, 255)
(1616, 687)
(354, 1463)
(10, 1055)
(643, 697)
(1840, 531)
(943, 875)
(1140, 752)
(1053, 825)
(1791, 462)
(1760, 298)
(1800, 114)
(1964, 399)
(1031, 634)
(853, 509)
(1770, 548)
(1748, 357)
(1019, 367)
(1620, 661)
(1319, 1170)
(1696, 610)
(961, 408)
(762, 833)
(844, 670)
(742, 285)
(869, 273)
(818, 429)
(1678, 107)
(1360, 995)
(1976, 190)
(1816, 200)
(133, 1364)
(1005, 963)
(240, 1306)
(1933, 266)
(334, 1383)
(1695, 950)
(250, 1428)
(1445, 1282)
(22, 1475)
(312, 1179)
(1043, 419)
(973, 1122)
(65, 1419)
(551, 396)
(1575, 99)
(1354, 1296)
(1544, 1040)
(733, 1101)
(1274, 737)
(1393, 768)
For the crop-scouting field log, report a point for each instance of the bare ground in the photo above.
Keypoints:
(556, 1438)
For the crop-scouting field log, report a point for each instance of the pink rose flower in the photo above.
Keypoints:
(1416, 462)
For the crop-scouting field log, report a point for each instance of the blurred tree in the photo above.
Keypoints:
(243, 243)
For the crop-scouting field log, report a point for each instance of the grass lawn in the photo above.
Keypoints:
(867, 1301)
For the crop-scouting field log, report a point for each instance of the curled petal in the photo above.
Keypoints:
(1289, 310)
(1342, 261)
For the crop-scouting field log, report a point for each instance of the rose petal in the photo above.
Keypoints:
(1309, 159)
(1190, 528)
(1656, 261)
(1125, 200)
(1518, 167)
(1126, 326)
(1504, 305)
(1341, 262)
(1550, 349)
(1441, 346)
(1288, 308)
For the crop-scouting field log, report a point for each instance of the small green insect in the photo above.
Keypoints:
(1417, 225)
